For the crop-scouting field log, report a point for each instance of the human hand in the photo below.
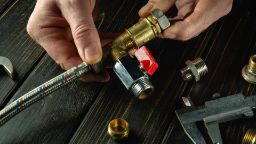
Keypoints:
(193, 17)
(65, 29)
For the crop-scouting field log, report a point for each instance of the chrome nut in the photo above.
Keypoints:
(196, 68)
(162, 20)
(134, 79)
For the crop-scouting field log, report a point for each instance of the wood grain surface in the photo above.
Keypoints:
(80, 112)
(16, 45)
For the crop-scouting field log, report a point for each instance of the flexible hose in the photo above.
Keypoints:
(41, 91)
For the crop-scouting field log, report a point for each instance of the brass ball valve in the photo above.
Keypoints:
(126, 67)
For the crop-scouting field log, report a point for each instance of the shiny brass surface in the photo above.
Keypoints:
(139, 34)
(249, 71)
(118, 129)
(249, 137)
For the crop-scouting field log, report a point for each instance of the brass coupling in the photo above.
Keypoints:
(249, 137)
(249, 71)
(118, 129)
(139, 34)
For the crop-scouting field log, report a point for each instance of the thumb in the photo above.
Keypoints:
(79, 16)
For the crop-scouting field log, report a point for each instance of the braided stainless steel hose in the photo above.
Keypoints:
(41, 91)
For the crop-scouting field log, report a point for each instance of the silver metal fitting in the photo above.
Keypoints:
(133, 78)
(7, 65)
(249, 71)
(162, 20)
(142, 88)
(196, 68)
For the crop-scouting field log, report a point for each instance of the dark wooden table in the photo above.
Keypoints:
(81, 112)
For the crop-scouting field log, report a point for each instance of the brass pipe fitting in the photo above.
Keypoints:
(139, 34)
(249, 71)
(196, 68)
(123, 46)
(249, 137)
(118, 129)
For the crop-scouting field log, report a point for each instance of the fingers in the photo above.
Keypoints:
(79, 16)
(50, 30)
(204, 14)
(163, 5)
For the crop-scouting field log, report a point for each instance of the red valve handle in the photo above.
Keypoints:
(147, 61)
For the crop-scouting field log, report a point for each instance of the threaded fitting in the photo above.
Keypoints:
(252, 64)
(249, 137)
(118, 129)
(194, 69)
(249, 71)
(142, 88)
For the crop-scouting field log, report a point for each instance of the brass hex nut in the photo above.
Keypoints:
(249, 71)
(118, 129)
(249, 137)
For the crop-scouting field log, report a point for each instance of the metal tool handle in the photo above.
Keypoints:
(41, 91)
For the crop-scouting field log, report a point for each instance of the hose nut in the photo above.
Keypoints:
(249, 71)
(118, 129)
(162, 20)
(196, 68)
(249, 137)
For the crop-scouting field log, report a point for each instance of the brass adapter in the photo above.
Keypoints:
(118, 129)
(249, 71)
(136, 36)
(249, 137)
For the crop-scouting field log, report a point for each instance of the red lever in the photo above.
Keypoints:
(147, 61)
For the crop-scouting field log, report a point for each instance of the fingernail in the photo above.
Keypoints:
(92, 55)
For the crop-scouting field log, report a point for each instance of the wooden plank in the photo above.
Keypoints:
(4, 4)
(16, 45)
(225, 46)
(55, 118)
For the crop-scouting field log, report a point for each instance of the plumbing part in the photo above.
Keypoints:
(147, 61)
(133, 78)
(128, 42)
(249, 71)
(7, 65)
(117, 51)
(249, 137)
(118, 129)
(196, 68)
(212, 113)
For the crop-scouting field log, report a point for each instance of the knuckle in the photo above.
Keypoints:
(228, 7)
(31, 29)
(81, 30)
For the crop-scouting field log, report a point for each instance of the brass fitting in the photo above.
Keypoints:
(123, 46)
(139, 34)
(118, 129)
(196, 68)
(249, 137)
(249, 71)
